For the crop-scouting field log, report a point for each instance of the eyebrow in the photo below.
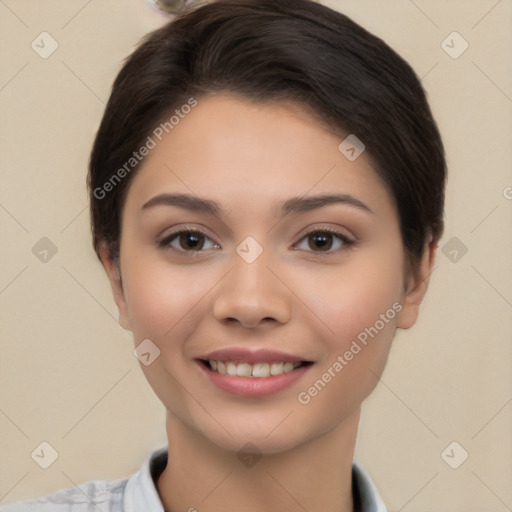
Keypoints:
(294, 205)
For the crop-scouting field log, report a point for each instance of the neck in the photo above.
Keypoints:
(201, 476)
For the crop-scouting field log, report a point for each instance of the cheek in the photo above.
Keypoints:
(161, 300)
(355, 296)
(364, 324)
(361, 309)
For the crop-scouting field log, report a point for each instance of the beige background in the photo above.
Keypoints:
(68, 375)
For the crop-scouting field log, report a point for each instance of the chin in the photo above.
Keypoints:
(265, 436)
(248, 442)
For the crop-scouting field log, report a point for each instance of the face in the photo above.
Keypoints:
(267, 269)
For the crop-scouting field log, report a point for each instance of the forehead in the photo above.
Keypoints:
(241, 152)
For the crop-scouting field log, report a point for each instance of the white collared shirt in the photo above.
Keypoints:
(138, 493)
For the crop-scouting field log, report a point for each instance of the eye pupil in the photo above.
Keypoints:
(192, 240)
(322, 241)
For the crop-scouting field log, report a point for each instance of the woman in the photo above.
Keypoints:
(267, 189)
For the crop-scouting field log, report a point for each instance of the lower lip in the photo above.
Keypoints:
(254, 386)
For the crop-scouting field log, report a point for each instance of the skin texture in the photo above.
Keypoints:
(294, 298)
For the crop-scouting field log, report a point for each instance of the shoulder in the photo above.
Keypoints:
(134, 493)
(106, 495)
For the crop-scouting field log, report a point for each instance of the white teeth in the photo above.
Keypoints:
(288, 367)
(231, 368)
(276, 368)
(261, 370)
(243, 370)
(252, 370)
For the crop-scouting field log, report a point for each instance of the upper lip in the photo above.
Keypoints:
(250, 356)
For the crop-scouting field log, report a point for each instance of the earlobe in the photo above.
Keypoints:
(114, 276)
(417, 287)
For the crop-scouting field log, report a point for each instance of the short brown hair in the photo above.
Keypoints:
(271, 51)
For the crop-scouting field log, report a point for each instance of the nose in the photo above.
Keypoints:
(252, 295)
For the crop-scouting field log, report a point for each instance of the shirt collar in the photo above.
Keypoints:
(141, 492)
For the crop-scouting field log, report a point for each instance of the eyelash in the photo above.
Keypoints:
(165, 243)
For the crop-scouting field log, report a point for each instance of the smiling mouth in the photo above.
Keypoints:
(253, 370)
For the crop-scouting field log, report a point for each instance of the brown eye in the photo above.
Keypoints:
(191, 240)
(188, 240)
(323, 241)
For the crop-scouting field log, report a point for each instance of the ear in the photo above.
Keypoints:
(417, 287)
(114, 276)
